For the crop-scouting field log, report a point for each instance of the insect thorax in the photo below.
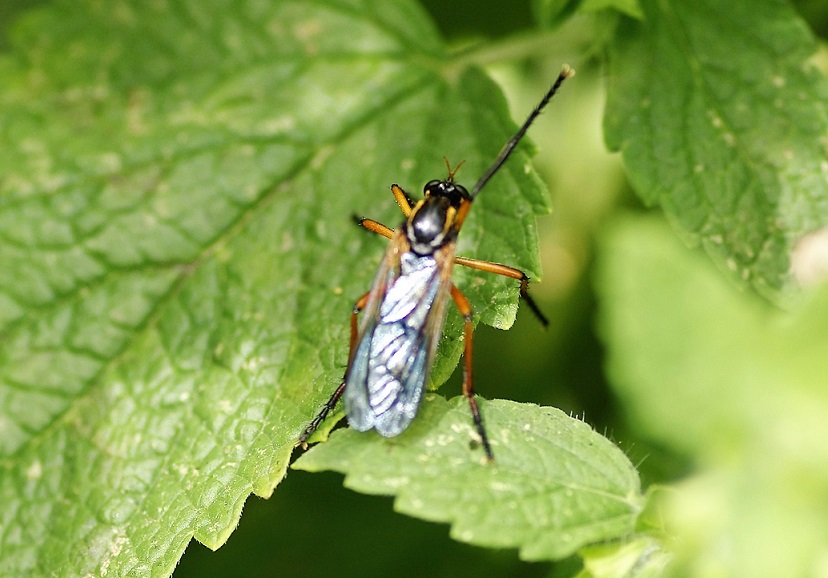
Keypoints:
(431, 223)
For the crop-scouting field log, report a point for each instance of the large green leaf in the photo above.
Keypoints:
(722, 122)
(556, 484)
(740, 387)
(178, 258)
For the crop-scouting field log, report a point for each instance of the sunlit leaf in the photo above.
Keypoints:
(555, 486)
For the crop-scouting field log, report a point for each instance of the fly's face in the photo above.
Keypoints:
(431, 224)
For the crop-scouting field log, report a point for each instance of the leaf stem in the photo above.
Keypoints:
(516, 47)
(576, 37)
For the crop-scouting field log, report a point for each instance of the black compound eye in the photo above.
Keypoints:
(432, 187)
(448, 190)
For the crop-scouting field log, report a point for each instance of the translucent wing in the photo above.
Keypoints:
(398, 335)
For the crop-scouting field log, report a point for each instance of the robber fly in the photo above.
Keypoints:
(393, 344)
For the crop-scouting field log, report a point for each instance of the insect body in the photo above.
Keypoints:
(393, 345)
(404, 315)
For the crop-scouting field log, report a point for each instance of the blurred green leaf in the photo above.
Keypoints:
(722, 122)
(551, 12)
(737, 385)
(555, 486)
(641, 557)
(628, 7)
(179, 262)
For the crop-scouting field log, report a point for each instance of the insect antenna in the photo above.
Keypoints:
(566, 72)
(452, 171)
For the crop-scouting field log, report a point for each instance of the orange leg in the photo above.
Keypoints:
(462, 213)
(334, 399)
(487, 266)
(402, 199)
(507, 271)
(380, 229)
(376, 227)
(468, 388)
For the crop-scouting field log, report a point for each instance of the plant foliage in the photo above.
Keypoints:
(178, 264)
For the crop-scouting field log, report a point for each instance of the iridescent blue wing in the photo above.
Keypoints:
(397, 339)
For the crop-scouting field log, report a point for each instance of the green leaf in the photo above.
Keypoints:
(179, 260)
(555, 485)
(721, 121)
(740, 387)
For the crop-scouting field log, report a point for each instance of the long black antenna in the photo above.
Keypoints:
(566, 72)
